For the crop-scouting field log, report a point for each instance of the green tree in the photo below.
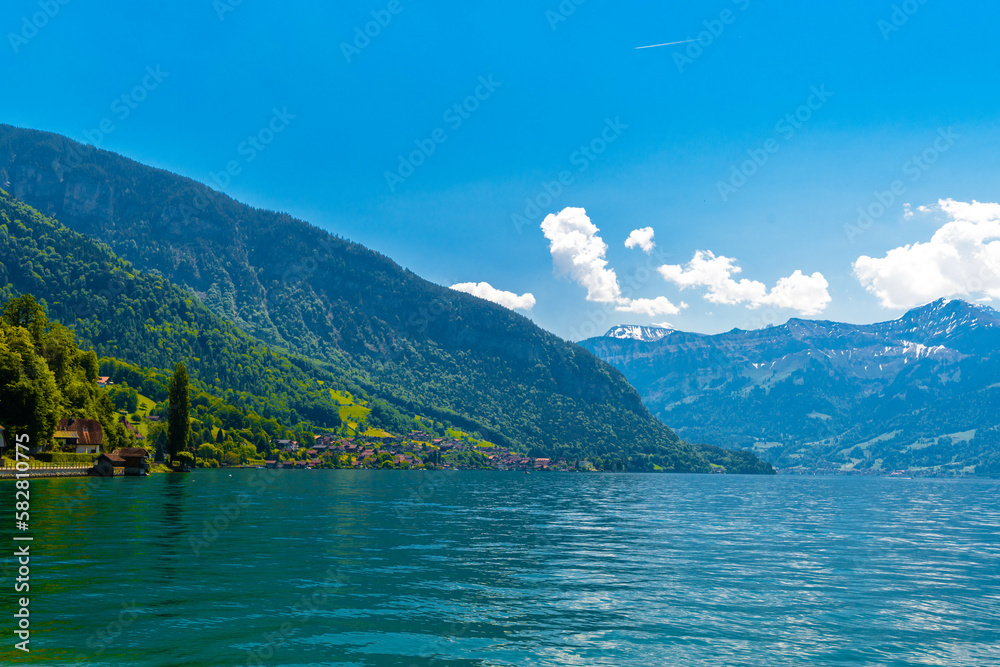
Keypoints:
(178, 423)
(209, 452)
(29, 397)
(24, 311)
(124, 398)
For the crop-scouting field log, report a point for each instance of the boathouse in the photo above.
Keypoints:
(134, 459)
(108, 465)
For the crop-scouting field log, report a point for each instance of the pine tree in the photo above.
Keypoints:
(178, 424)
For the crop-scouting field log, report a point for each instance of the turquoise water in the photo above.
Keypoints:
(485, 568)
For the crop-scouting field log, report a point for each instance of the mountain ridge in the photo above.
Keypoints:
(803, 393)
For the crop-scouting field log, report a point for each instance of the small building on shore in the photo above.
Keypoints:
(108, 465)
(135, 460)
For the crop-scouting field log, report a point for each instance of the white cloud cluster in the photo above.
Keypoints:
(661, 305)
(506, 299)
(642, 238)
(808, 295)
(962, 259)
(579, 252)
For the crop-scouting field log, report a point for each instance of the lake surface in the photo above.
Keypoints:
(488, 568)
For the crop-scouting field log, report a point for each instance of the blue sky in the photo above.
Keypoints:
(893, 79)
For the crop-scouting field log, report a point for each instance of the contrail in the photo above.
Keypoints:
(653, 46)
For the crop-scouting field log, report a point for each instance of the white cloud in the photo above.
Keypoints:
(714, 273)
(962, 259)
(642, 238)
(661, 305)
(806, 294)
(506, 299)
(578, 251)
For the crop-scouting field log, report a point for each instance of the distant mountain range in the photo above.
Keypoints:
(238, 275)
(920, 393)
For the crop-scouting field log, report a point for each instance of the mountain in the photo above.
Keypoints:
(921, 392)
(289, 286)
(126, 313)
(638, 332)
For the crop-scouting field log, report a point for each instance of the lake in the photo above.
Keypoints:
(297, 568)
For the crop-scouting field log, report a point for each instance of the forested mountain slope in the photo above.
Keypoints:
(292, 285)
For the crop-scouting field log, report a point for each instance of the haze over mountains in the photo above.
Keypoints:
(283, 283)
(919, 392)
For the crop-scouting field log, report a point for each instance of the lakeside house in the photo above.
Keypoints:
(85, 435)
(130, 461)
(3, 443)
(108, 465)
(104, 381)
(135, 460)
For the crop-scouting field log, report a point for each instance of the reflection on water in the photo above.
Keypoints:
(408, 568)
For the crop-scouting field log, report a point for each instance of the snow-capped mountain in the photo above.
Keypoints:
(638, 332)
(922, 391)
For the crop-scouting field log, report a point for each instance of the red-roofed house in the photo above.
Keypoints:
(131, 427)
(85, 435)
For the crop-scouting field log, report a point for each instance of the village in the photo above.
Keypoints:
(417, 450)
(80, 446)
